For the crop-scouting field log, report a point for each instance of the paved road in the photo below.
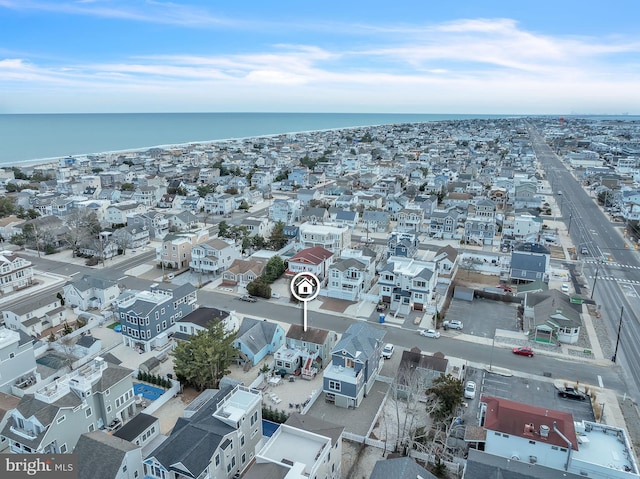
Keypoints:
(617, 281)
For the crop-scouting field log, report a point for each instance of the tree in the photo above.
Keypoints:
(7, 206)
(204, 190)
(232, 190)
(273, 269)
(223, 229)
(259, 287)
(128, 187)
(205, 358)
(448, 391)
(278, 240)
(243, 205)
(82, 224)
(258, 242)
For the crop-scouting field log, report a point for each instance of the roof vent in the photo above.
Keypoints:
(544, 431)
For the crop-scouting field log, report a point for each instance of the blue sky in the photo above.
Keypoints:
(465, 56)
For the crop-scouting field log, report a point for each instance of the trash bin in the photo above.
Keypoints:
(382, 318)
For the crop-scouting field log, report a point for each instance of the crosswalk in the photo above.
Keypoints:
(607, 263)
(617, 280)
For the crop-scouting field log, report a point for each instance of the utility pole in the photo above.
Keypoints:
(615, 353)
(569, 227)
(595, 279)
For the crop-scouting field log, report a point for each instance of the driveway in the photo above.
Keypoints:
(481, 317)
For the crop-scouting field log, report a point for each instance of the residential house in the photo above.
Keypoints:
(256, 338)
(347, 218)
(7, 403)
(287, 211)
(301, 447)
(308, 351)
(261, 179)
(299, 176)
(167, 201)
(551, 315)
(193, 203)
(446, 260)
(526, 228)
(257, 226)
(8, 227)
(402, 244)
(98, 395)
(217, 442)
(15, 272)
(101, 246)
(551, 442)
(410, 219)
(176, 250)
(154, 221)
(203, 317)
(525, 194)
(243, 271)
(140, 430)
(370, 201)
(117, 214)
(90, 292)
(443, 224)
(147, 317)
(131, 237)
(315, 260)
(315, 215)
(103, 456)
(356, 360)
(399, 468)
(480, 228)
(407, 284)
(148, 195)
(375, 221)
(219, 204)
(183, 221)
(331, 237)
(17, 360)
(306, 196)
(213, 256)
(351, 275)
(34, 314)
(530, 262)
(417, 371)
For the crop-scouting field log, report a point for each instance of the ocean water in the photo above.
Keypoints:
(29, 137)
(33, 138)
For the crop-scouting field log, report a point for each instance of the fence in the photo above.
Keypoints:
(452, 467)
(164, 398)
(315, 395)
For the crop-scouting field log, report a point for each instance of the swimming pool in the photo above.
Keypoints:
(268, 427)
(148, 392)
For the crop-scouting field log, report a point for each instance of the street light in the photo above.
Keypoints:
(595, 279)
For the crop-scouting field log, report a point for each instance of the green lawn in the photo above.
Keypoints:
(113, 325)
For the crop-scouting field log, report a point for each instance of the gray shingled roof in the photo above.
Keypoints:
(135, 426)
(203, 316)
(256, 334)
(360, 337)
(100, 455)
(194, 440)
(345, 264)
(317, 426)
(399, 468)
(481, 465)
(311, 335)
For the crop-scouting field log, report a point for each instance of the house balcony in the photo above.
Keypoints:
(22, 432)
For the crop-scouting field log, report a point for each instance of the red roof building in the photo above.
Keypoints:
(314, 260)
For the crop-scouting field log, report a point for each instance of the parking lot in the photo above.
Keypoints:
(525, 390)
(481, 317)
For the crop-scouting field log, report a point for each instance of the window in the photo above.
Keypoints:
(124, 468)
(12, 355)
(91, 427)
(60, 419)
(334, 385)
(63, 448)
(109, 408)
(217, 460)
(88, 412)
(107, 392)
(241, 441)
(244, 457)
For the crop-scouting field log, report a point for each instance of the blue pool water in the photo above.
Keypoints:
(268, 428)
(148, 392)
(118, 328)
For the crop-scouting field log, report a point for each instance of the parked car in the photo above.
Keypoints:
(429, 333)
(454, 324)
(505, 287)
(523, 351)
(565, 288)
(470, 390)
(572, 393)
(387, 351)
(275, 295)
(248, 298)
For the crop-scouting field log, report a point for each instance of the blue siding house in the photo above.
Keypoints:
(356, 360)
(257, 338)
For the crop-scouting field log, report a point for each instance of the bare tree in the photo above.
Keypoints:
(82, 224)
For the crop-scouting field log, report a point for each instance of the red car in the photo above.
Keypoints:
(523, 351)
